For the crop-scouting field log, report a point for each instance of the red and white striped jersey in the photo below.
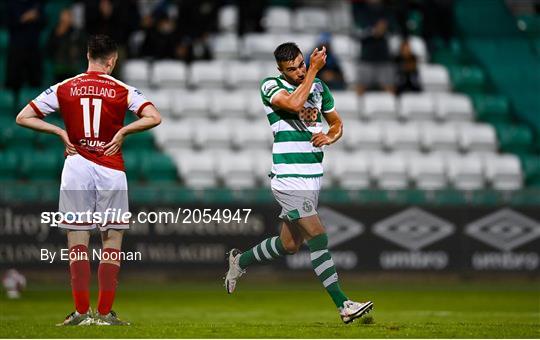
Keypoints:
(93, 106)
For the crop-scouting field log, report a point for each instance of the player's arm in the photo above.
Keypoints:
(294, 102)
(334, 132)
(150, 117)
(29, 118)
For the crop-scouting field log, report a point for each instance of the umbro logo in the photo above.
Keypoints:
(339, 227)
(504, 230)
(413, 229)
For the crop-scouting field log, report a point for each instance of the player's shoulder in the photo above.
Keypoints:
(274, 79)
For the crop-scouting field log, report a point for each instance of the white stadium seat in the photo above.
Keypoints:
(169, 73)
(434, 78)
(191, 103)
(347, 104)
(477, 137)
(465, 172)
(161, 100)
(245, 75)
(401, 136)
(427, 172)
(262, 164)
(277, 19)
(453, 107)
(389, 170)
(416, 106)
(309, 19)
(136, 72)
(341, 16)
(379, 106)
(418, 47)
(504, 172)
(359, 135)
(175, 134)
(253, 135)
(225, 46)
(349, 169)
(434, 136)
(255, 108)
(236, 169)
(260, 45)
(228, 18)
(213, 134)
(350, 72)
(197, 169)
(227, 104)
(207, 74)
(345, 47)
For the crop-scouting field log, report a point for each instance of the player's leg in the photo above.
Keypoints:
(325, 269)
(79, 268)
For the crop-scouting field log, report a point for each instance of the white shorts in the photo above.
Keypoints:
(90, 187)
(297, 196)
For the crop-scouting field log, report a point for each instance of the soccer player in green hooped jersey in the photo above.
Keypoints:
(295, 103)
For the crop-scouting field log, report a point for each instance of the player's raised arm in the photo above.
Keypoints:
(150, 117)
(294, 102)
(31, 119)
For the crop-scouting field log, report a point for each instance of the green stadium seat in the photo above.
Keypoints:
(14, 137)
(7, 101)
(491, 108)
(468, 79)
(49, 142)
(157, 167)
(26, 95)
(38, 165)
(4, 41)
(141, 140)
(132, 163)
(514, 138)
(529, 24)
(531, 168)
(8, 166)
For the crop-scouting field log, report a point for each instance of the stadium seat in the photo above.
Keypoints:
(26, 95)
(379, 106)
(197, 169)
(362, 136)
(401, 136)
(350, 72)
(467, 79)
(347, 104)
(414, 106)
(227, 104)
(228, 18)
(225, 46)
(255, 108)
(530, 163)
(277, 19)
(136, 72)
(169, 73)
(514, 138)
(15, 137)
(310, 19)
(41, 166)
(7, 102)
(262, 164)
(341, 17)
(453, 107)
(176, 133)
(504, 172)
(345, 47)
(350, 169)
(207, 74)
(161, 100)
(216, 135)
(157, 167)
(244, 75)
(491, 108)
(434, 136)
(139, 141)
(466, 172)
(305, 41)
(253, 135)
(418, 47)
(434, 78)
(427, 172)
(191, 103)
(132, 163)
(49, 142)
(389, 170)
(477, 137)
(260, 46)
(236, 170)
(9, 164)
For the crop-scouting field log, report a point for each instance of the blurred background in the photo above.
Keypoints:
(438, 169)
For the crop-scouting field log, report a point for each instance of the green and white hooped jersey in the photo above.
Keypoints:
(292, 153)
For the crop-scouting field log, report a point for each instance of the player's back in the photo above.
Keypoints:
(93, 106)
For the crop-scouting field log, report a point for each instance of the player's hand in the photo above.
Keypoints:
(70, 148)
(317, 60)
(115, 144)
(319, 139)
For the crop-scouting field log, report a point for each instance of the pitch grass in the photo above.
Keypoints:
(287, 310)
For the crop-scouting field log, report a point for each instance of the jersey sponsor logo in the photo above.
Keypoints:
(504, 230)
(92, 91)
(413, 229)
(48, 91)
(92, 144)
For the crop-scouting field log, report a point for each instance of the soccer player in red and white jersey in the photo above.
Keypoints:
(93, 106)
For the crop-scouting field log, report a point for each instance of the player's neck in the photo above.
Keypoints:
(97, 68)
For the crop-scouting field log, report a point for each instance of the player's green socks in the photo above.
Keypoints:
(267, 250)
(324, 268)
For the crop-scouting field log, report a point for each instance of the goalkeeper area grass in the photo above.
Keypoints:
(282, 309)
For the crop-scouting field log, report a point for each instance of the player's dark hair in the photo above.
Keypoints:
(101, 46)
(286, 52)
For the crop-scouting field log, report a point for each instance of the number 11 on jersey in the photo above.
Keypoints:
(96, 103)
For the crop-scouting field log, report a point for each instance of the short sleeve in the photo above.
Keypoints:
(327, 100)
(47, 102)
(269, 88)
(137, 101)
